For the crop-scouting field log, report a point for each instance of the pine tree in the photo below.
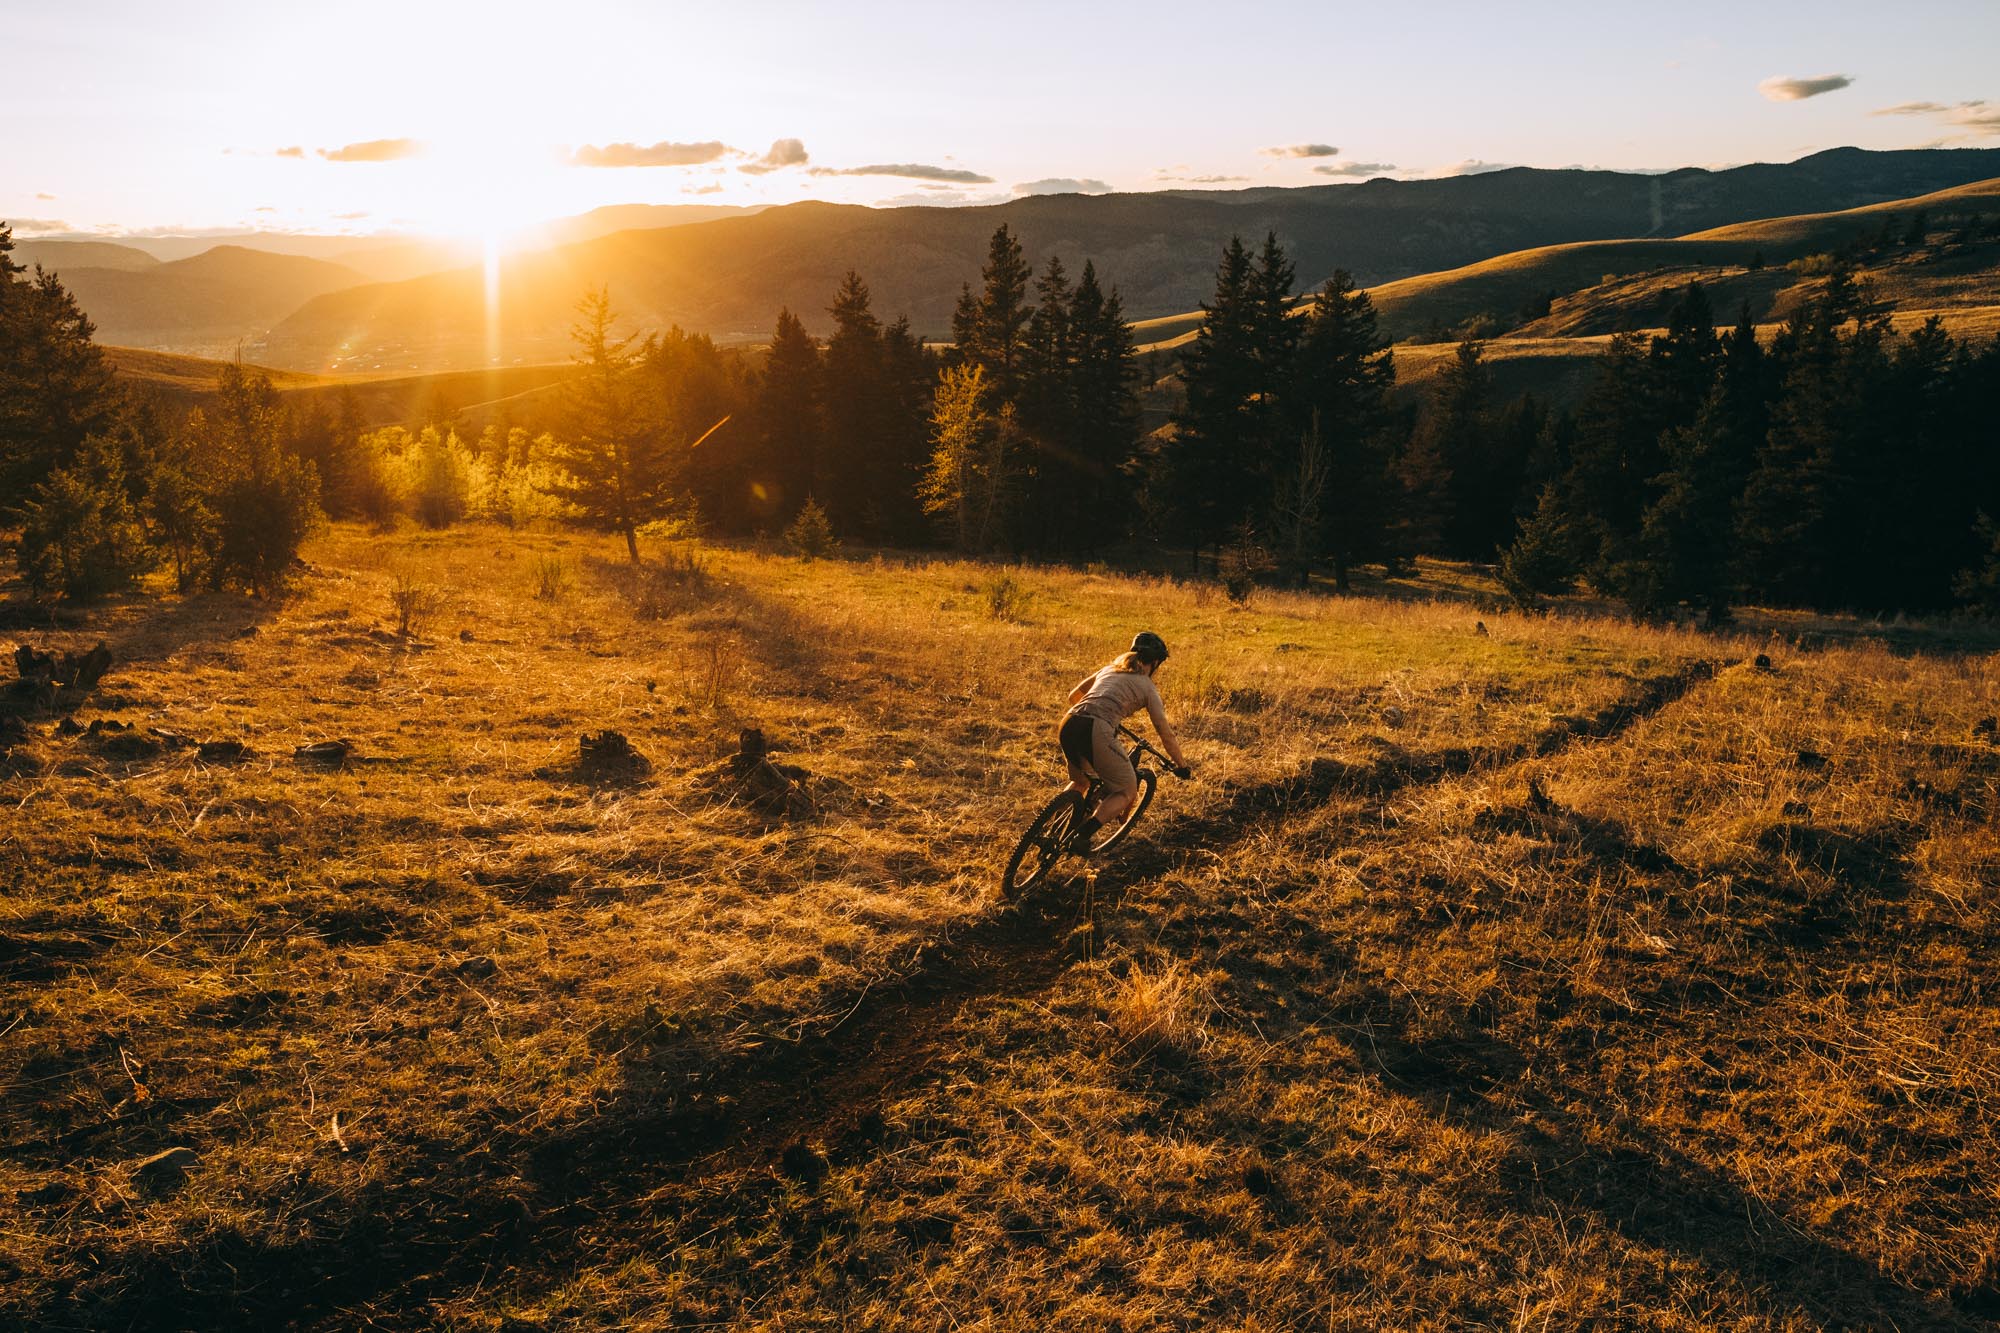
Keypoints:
(789, 421)
(56, 390)
(1543, 560)
(1206, 477)
(1343, 379)
(1453, 448)
(994, 324)
(265, 498)
(1103, 435)
(613, 455)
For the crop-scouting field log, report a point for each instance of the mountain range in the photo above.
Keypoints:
(728, 275)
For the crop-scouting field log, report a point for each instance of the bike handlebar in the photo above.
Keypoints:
(1140, 742)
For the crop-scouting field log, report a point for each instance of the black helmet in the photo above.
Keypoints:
(1150, 647)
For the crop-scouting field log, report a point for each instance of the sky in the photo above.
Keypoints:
(132, 116)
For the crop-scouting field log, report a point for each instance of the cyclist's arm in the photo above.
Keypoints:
(1082, 688)
(1157, 711)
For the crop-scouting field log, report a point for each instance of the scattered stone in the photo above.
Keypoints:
(1762, 662)
(72, 671)
(606, 756)
(223, 752)
(1291, 647)
(247, 632)
(1479, 628)
(173, 740)
(330, 753)
(69, 726)
(802, 1162)
(100, 725)
(477, 968)
(465, 636)
(164, 1170)
(1811, 760)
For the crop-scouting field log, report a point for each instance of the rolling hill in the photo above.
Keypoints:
(209, 303)
(66, 255)
(729, 277)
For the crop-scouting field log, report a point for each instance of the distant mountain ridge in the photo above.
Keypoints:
(729, 277)
(207, 303)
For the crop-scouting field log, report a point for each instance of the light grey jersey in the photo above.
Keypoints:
(1112, 696)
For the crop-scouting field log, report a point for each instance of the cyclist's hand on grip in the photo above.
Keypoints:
(1184, 772)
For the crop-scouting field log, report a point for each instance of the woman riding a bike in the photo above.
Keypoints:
(1098, 704)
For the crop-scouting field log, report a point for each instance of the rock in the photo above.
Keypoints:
(802, 1162)
(465, 636)
(1811, 760)
(223, 752)
(69, 726)
(165, 1169)
(98, 726)
(1762, 662)
(331, 753)
(75, 671)
(1479, 628)
(606, 756)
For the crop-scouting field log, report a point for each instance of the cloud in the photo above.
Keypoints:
(44, 195)
(1302, 150)
(710, 188)
(784, 153)
(21, 226)
(663, 154)
(915, 171)
(1356, 169)
(1978, 115)
(1780, 89)
(294, 151)
(349, 217)
(264, 208)
(1063, 185)
(1472, 166)
(373, 150)
(1163, 175)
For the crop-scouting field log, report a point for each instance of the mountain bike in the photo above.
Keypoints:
(1053, 835)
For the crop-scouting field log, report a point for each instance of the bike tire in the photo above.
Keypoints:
(1148, 781)
(1041, 846)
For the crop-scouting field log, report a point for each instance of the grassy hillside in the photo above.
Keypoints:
(476, 396)
(1602, 276)
(1535, 973)
(208, 304)
(729, 278)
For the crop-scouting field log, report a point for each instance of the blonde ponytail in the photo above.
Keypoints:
(1125, 662)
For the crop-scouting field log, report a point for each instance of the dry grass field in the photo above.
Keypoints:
(1495, 971)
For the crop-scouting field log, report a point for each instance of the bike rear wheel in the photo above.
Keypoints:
(1042, 845)
(1109, 838)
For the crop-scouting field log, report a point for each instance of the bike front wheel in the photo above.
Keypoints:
(1109, 838)
(1042, 845)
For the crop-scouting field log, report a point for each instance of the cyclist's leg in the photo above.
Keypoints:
(1121, 783)
(1077, 739)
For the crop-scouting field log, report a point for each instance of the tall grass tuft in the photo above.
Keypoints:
(1006, 599)
(1161, 1012)
(416, 604)
(553, 578)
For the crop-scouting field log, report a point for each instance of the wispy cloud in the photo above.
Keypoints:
(1472, 166)
(1360, 170)
(1199, 180)
(916, 171)
(295, 150)
(22, 226)
(1063, 185)
(1302, 150)
(44, 195)
(1978, 115)
(1786, 89)
(663, 154)
(784, 153)
(371, 150)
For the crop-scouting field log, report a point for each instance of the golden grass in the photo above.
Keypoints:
(1406, 1013)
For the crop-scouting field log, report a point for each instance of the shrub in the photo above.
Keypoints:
(1006, 598)
(1154, 1013)
(416, 604)
(810, 537)
(678, 583)
(262, 519)
(80, 538)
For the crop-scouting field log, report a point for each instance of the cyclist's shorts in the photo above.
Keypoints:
(1091, 741)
